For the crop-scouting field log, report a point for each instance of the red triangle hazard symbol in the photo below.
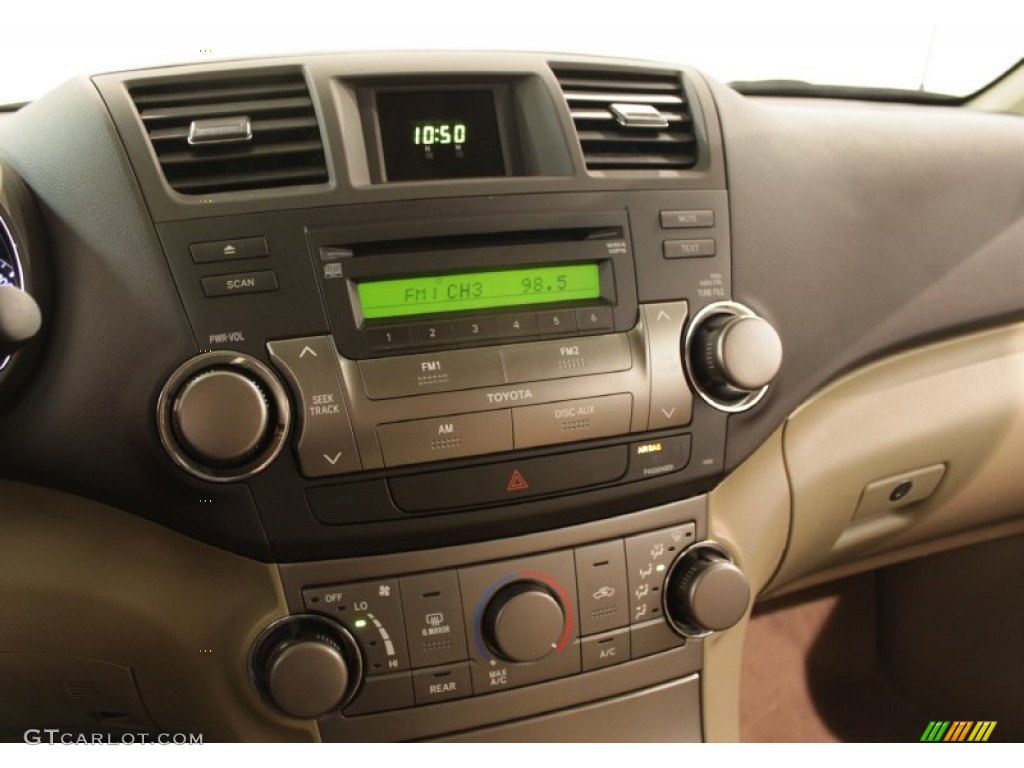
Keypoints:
(517, 482)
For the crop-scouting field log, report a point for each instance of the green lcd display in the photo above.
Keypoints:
(381, 299)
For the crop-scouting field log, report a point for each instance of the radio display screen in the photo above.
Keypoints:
(439, 134)
(381, 299)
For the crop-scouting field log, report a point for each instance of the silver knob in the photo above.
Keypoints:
(306, 666)
(20, 319)
(524, 622)
(221, 417)
(732, 355)
(307, 678)
(705, 591)
(745, 352)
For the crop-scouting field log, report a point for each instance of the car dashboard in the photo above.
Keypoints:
(480, 396)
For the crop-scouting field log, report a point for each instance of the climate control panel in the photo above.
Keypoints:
(427, 638)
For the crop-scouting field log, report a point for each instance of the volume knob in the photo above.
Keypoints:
(223, 416)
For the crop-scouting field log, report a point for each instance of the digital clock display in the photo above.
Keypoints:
(439, 134)
(381, 299)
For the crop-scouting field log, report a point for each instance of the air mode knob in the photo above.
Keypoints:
(732, 355)
(307, 666)
(223, 416)
(523, 622)
(705, 591)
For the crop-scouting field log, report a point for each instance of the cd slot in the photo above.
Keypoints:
(479, 240)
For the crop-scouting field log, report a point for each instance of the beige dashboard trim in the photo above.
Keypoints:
(749, 514)
(80, 579)
(958, 403)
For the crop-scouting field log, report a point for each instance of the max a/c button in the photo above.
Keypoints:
(241, 282)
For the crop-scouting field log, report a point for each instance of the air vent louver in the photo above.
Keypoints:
(617, 127)
(284, 149)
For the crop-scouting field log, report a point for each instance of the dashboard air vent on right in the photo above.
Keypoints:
(630, 120)
(247, 131)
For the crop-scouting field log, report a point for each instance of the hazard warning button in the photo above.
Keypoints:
(508, 481)
(517, 482)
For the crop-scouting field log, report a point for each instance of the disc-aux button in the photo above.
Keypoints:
(571, 420)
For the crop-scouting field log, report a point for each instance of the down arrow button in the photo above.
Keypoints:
(325, 445)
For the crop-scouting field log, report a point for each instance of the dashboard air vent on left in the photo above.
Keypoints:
(247, 131)
(630, 120)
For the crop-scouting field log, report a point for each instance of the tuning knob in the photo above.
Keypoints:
(524, 621)
(705, 591)
(307, 666)
(732, 355)
(223, 416)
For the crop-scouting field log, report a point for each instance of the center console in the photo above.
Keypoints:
(476, 381)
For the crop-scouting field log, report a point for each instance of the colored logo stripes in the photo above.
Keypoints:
(958, 730)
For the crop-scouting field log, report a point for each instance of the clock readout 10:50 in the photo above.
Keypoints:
(428, 134)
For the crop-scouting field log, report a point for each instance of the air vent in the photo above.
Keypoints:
(248, 131)
(630, 120)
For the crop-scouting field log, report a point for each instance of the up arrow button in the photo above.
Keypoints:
(671, 403)
(325, 444)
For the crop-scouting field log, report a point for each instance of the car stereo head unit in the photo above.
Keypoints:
(548, 279)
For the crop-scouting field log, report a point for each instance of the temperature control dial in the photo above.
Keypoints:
(732, 355)
(223, 416)
(524, 622)
(705, 591)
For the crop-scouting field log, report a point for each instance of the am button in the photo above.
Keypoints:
(447, 437)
